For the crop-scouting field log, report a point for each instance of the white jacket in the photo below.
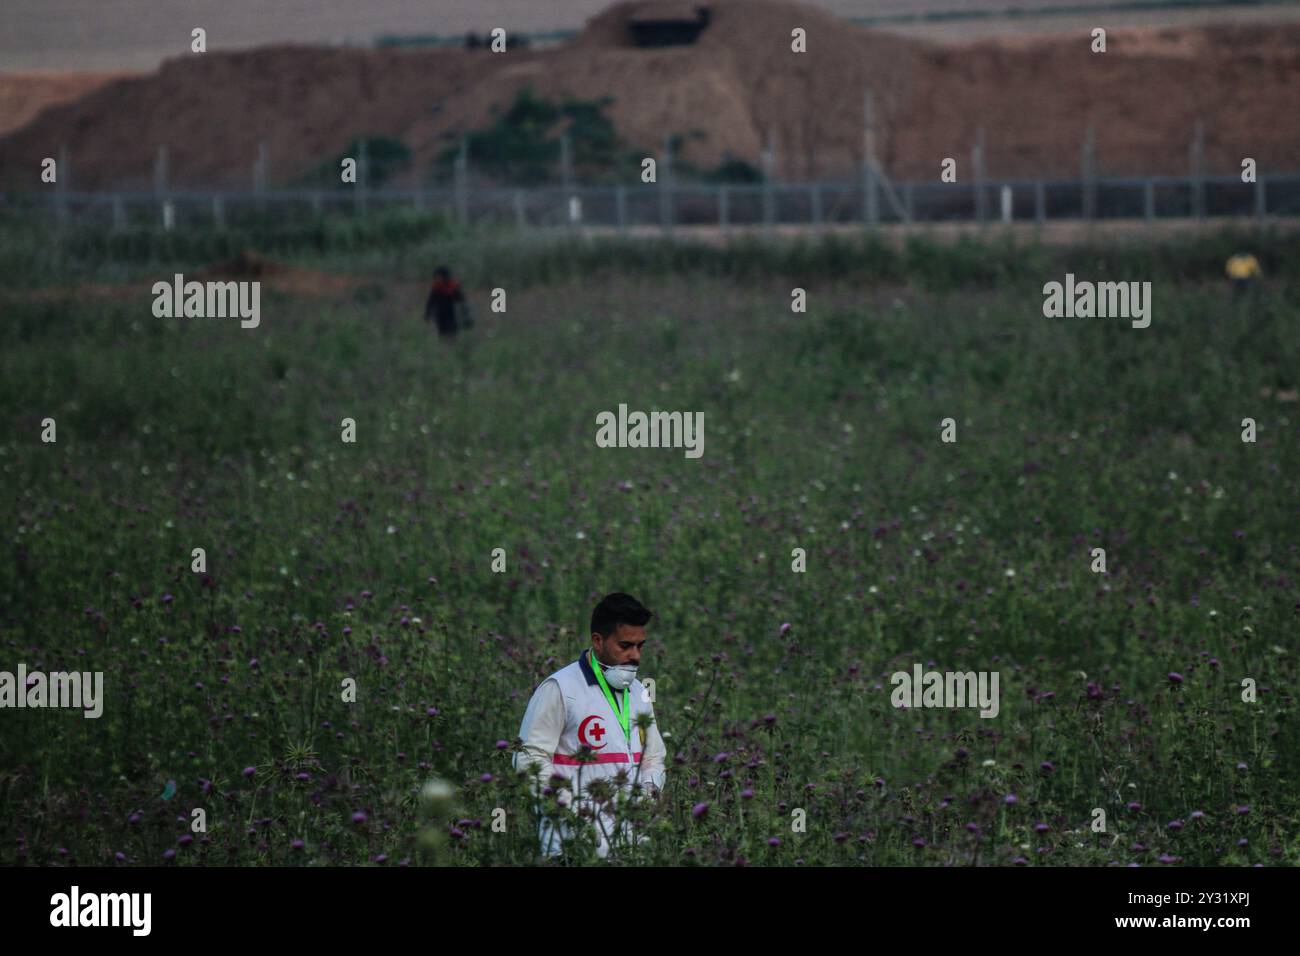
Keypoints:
(569, 710)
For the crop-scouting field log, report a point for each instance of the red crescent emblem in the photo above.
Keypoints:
(593, 737)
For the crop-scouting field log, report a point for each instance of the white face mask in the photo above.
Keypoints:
(620, 676)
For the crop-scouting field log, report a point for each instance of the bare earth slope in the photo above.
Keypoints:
(738, 85)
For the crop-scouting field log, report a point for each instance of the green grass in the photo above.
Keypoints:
(822, 432)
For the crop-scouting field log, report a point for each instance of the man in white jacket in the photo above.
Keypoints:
(582, 726)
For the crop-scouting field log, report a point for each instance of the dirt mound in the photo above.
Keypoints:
(23, 96)
(737, 86)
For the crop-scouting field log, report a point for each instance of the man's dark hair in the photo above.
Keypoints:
(615, 609)
(442, 272)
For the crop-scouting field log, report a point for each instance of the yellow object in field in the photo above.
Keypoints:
(1243, 266)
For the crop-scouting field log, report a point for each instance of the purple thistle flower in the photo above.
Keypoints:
(699, 810)
(1020, 861)
(973, 827)
(1243, 809)
(1175, 677)
(359, 817)
(297, 845)
(302, 775)
(502, 744)
(1010, 799)
(119, 856)
(773, 841)
(747, 794)
(1197, 814)
(135, 818)
(185, 840)
(1135, 806)
(1041, 828)
(785, 629)
(1175, 824)
(1048, 766)
(249, 771)
(485, 778)
(169, 854)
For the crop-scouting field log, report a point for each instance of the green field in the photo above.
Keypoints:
(371, 560)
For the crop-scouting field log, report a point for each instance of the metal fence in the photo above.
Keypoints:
(670, 205)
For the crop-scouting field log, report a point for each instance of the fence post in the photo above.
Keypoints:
(462, 184)
(1089, 163)
(363, 174)
(620, 206)
(665, 193)
(769, 170)
(218, 213)
(1006, 203)
(316, 204)
(977, 165)
(870, 208)
(119, 214)
(1040, 201)
(909, 201)
(61, 187)
(1149, 200)
(724, 208)
(259, 176)
(160, 180)
(816, 203)
(566, 175)
(521, 219)
(1261, 203)
(1198, 170)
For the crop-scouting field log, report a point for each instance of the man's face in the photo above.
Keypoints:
(621, 647)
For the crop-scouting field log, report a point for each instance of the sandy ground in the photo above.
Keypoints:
(118, 35)
(737, 90)
(24, 95)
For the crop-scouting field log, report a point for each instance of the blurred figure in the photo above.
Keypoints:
(1243, 269)
(443, 297)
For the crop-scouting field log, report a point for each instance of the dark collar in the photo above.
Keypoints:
(587, 672)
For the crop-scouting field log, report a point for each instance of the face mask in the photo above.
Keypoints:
(620, 676)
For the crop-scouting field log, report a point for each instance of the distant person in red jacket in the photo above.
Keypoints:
(443, 297)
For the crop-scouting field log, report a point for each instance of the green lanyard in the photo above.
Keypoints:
(613, 705)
